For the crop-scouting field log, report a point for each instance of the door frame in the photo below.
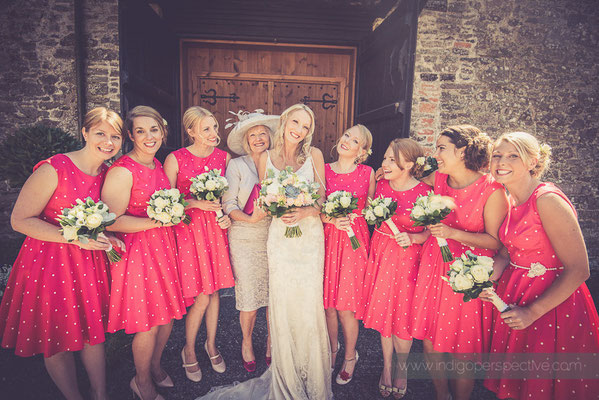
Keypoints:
(348, 90)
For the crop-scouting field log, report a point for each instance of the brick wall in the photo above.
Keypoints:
(510, 65)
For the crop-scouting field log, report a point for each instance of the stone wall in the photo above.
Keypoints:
(507, 65)
(38, 76)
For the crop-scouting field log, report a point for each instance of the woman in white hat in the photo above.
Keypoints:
(249, 138)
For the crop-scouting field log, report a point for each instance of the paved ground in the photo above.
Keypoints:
(25, 378)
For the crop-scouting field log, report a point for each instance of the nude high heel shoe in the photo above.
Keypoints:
(137, 393)
(195, 376)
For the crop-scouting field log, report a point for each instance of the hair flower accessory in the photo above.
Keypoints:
(420, 160)
(536, 269)
(545, 148)
(369, 152)
(164, 122)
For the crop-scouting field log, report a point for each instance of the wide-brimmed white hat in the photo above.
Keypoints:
(247, 120)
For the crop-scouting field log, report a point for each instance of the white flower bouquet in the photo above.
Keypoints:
(381, 210)
(429, 163)
(284, 191)
(209, 186)
(470, 275)
(86, 220)
(167, 206)
(430, 210)
(341, 204)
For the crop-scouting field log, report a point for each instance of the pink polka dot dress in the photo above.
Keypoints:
(145, 290)
(344, 267)
(571, 327)
(57, 294)
(392, 270)
(439, 314)
(203, 246)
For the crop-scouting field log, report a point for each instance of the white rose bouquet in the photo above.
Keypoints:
(430, 210)
(341, 204)
(470, 275)
(284, 191)
(381, 210)
(167, 206)
(209, 186)
(87, 220)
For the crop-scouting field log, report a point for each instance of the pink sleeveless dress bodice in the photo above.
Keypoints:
(145, 290)
(440, 315)
(392, 270)
(344, 267)
(203, 246)
(571, 327)
(56, 298)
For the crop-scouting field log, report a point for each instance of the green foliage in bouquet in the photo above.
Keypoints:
(27, 146)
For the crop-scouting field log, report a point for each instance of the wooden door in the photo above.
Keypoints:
(225, 77)
(385, 78)
(323, 99)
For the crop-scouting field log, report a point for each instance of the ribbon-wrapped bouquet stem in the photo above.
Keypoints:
(470, 275)
(85, 220)
(341, 204)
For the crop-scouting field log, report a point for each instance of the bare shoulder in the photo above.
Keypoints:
(552, 204)
(119, 174)
(171, 161)
(316, 153)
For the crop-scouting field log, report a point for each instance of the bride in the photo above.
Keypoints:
(301, 355)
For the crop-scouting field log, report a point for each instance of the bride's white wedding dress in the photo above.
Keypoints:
(301, 355)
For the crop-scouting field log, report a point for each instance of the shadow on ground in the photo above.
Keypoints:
(26, 378)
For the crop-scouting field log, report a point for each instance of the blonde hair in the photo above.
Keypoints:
(528, 147)
(410, 151)
(102, 114)
(193, 115)
(146, 111)
(366, 142)
(304, 146)
(246, 144)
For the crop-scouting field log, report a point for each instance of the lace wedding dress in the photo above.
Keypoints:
(300, 368)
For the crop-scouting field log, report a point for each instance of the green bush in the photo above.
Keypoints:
(23, 149)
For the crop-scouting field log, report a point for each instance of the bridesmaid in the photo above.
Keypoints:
(145, 294)
(440, 317)
(203, 245)
(393, 262)
(551, 309)
(344, 267)
(56, 301)
(251, 137)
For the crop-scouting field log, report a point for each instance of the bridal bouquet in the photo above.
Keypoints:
(209, 186)
(430, 210)
(341, 204)
(469, 274)
(381, 210)
(87, 220)
(167, 206)
(430, 165)
(284, 191)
